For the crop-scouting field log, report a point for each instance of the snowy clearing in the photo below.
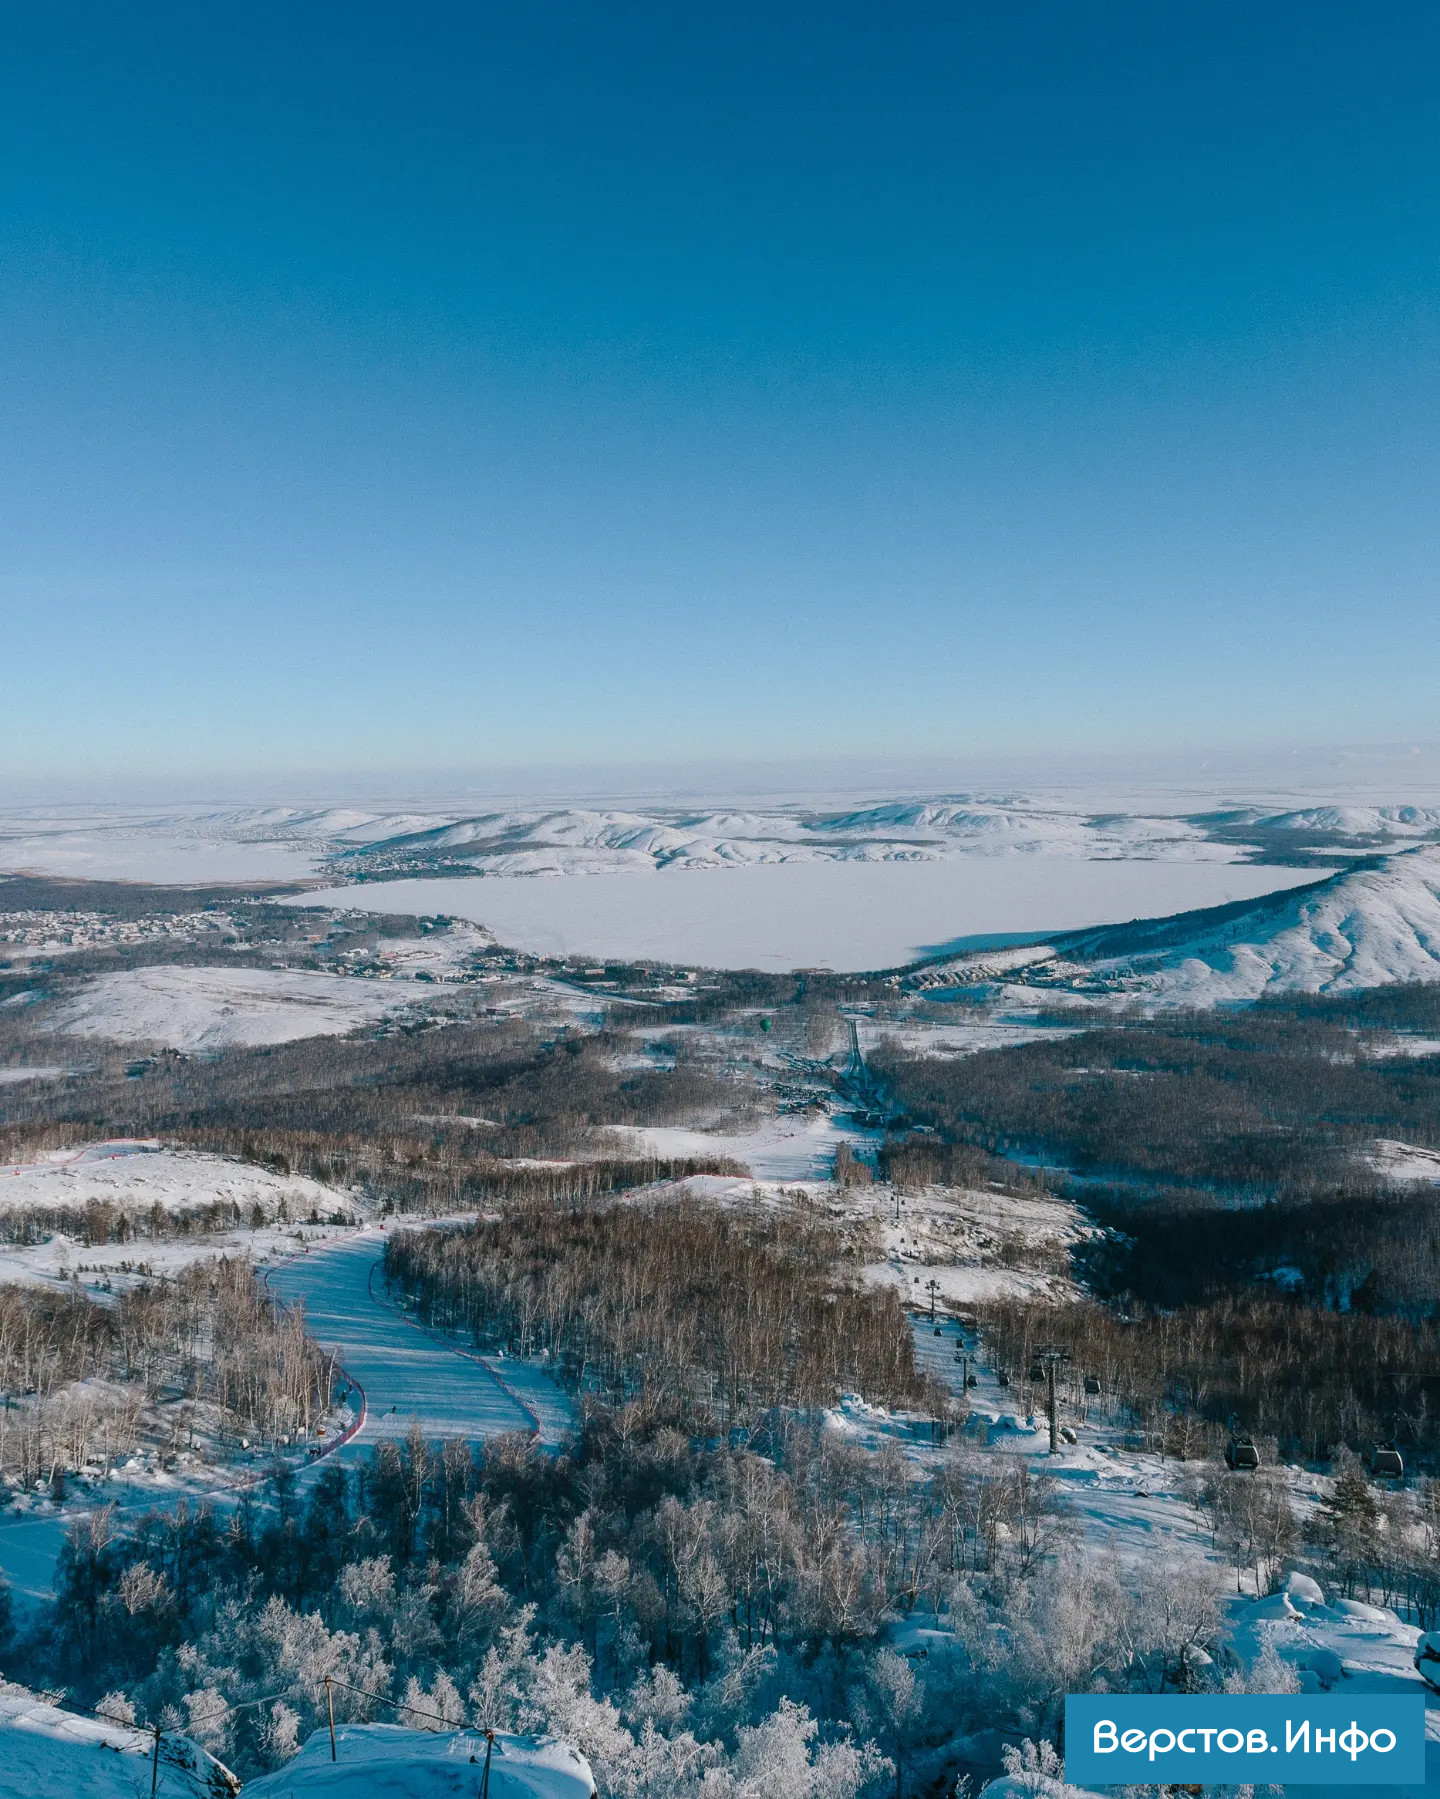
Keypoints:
(213, 1008)
(845, 915)
(132, 1177)
(1405, 1162)
(975, 1245)
(791, 1148)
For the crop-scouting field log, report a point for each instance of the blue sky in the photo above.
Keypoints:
(446, 387)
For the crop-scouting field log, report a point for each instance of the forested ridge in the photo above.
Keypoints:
(721, 1315)
(1264, 1103)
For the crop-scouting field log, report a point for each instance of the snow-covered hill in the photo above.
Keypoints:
(212, 1008)
(47, 1753)
(279, 842)
(418, 1764)
(570, 840)
(1371, 925)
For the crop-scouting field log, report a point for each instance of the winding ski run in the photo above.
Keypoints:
(408, 1375)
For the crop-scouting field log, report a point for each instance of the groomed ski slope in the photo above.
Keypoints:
(410, 1376)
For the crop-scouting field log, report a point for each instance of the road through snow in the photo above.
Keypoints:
(410, 1376)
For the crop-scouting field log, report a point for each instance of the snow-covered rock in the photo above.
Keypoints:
(384, 1761)
(1305, 1594)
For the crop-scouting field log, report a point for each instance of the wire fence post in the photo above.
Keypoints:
(155, 1763)
(485, 1778)
(330, 1707)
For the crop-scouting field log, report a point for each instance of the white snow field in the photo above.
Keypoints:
(137, 1172)
(845, 915)
(48, 1753)
(133, 1175)
(184, 847)
(409, 1375)
(213, 1008)
(795, 1147)
(1405, 1163)
(398, 1763)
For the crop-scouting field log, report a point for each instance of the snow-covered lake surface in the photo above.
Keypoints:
(842, 914)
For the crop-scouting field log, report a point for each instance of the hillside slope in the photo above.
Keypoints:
(47, 1753)
(1369, 926)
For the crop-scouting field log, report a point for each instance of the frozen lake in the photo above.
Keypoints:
(841, 915)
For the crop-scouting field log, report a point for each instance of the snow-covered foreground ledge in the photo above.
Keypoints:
(418, 1764)
(49, 1753)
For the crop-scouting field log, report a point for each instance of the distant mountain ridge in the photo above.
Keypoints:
(588, 840)
(352, 843)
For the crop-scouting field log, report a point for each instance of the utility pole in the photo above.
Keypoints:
(932, 1287)
(485, 1780)
(330, 1707)
(155, 1764)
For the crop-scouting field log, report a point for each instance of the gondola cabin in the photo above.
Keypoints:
(1385, 1459)
(1242, 1455)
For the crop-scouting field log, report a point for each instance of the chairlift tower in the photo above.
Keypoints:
(1050, 1359)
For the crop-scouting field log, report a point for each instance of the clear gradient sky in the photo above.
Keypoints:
(464, 386)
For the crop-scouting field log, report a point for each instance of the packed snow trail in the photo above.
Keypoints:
(410, 1376)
